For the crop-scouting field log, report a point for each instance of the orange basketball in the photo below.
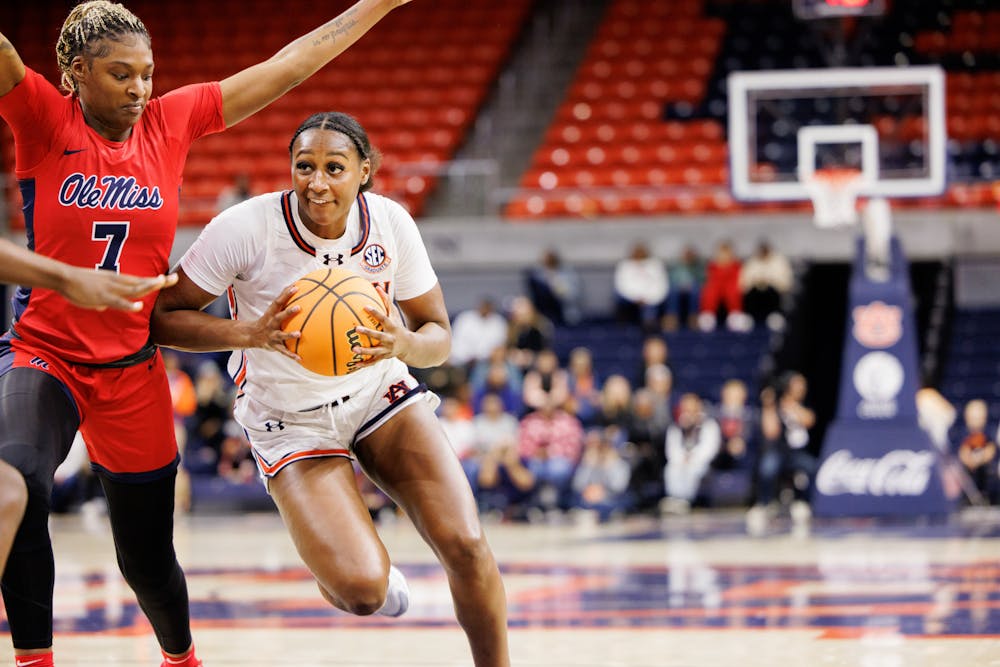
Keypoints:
(332, 303)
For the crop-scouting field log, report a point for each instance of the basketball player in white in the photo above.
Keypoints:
(304, 427)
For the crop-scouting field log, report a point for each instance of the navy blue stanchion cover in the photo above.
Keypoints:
(876, 460)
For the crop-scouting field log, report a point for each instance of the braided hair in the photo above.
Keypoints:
(348, 126)
(91, 22)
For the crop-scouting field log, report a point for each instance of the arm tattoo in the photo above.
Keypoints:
(340, 26)
(5, 44)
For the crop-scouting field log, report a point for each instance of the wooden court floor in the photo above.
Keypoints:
(689, 591)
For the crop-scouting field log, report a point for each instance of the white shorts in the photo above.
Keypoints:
(278, 437)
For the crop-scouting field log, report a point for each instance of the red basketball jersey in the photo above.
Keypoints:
(96, 203)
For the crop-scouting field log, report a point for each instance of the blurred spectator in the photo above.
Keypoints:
(214, 408)
(182, 393)
(977, 451)
(615, 403)
(602, 476)
(476, 333)
(457, 425)
(501, 378)
(443, 380)
(645, 435)
(550, 444)
(584, 385)
(498, 476)
(737, 425)
(236, 464)
(721, 291)
(545, 383)
(555, 289)
(730, 478)
(504, 482)
(529, 333)
(784, 425)
(764, 279)
(692, 443)
(686, 277)
(640, 286)
(660, 383)
(655, 352)
(936, 415)
(184, 399)
(493, 430)
(479, 371)
(234, 194)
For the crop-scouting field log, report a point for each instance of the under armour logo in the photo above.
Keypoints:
(339, 259)
(278, 426)
(41, 363)
(395, 392)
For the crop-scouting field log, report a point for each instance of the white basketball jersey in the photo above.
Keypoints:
(258, 247)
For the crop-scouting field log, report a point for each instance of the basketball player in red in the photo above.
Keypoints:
(99, 171)
(305, 427)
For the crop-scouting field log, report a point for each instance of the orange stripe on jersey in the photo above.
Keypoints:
(286, 210)
(366, 223)
(241, 374)
(233, 306)
(272, 468)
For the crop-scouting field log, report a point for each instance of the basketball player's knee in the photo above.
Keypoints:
(365, 595)
(21, 469)
(362, 594)
(13, 496)
(464, 551)
(152, 579)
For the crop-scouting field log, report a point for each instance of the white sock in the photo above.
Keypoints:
(397, 597)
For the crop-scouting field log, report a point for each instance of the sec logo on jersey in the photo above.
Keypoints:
(375, 259)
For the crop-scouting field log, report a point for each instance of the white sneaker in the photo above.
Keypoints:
(800, 511)
(397, 597)
(740, 322)
(775, 322)
(757, 519)
(675, 506)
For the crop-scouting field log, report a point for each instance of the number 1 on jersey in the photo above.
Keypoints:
(115, 234)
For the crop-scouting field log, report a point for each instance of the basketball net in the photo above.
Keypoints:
(834, 194)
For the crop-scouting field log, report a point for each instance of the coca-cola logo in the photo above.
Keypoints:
(901, 472)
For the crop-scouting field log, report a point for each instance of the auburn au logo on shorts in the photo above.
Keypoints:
(878, 325)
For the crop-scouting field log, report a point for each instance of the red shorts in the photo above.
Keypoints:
(126, 414)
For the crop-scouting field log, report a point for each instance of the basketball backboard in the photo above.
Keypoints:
(887, 122)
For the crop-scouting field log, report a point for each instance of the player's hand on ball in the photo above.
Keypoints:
(267, 332)
(393, 338)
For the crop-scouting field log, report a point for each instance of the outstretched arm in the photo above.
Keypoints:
(249, 91)
(87, 288)
(11, 67)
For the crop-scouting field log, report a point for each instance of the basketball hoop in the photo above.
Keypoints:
(834, 194)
